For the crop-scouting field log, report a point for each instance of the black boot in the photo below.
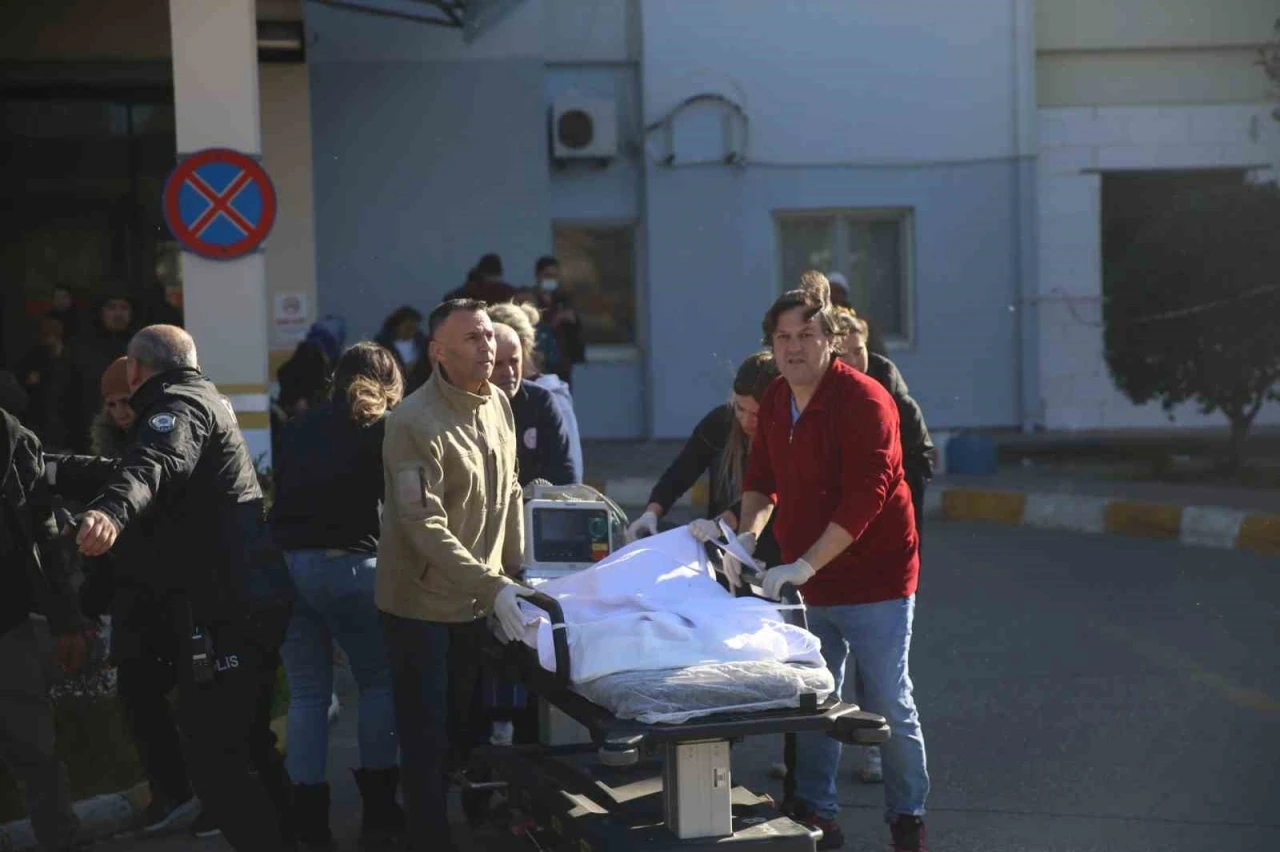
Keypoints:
(311, 817)
(382, 825)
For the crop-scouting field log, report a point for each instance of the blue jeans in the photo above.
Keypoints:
(335, 601)
(879, 636)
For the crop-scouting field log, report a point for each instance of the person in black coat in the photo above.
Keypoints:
(53, 387)
(144, 648)
(189, 484)
(32, 583)
(718, 448)
(542, 438)
(917, 446)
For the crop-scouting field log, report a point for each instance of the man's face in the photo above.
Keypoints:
(116, 315)
(173, 296)
(801, 348)
(408, 329)
(550, 273)
(117, 406)
(508, 368)
(855, 352)
(463, 345)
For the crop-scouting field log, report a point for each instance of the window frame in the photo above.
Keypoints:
(608, 353)
(903, 215)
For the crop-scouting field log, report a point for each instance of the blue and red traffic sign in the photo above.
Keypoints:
(219, 204)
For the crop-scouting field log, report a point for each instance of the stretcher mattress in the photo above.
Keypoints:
(675, 696)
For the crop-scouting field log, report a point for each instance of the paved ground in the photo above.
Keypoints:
(1078, 693)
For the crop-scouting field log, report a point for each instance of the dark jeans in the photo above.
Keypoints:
(143, 685)
(231, 754)
(434, 679)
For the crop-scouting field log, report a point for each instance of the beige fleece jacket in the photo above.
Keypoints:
(452, 515)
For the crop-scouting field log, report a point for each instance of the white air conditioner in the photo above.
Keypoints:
(584, 129)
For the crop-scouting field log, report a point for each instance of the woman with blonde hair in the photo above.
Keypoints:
(328, 490)
(524, 319)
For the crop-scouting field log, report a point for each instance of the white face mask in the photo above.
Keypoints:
(550, 284)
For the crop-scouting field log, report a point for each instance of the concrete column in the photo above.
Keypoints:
(215, 90)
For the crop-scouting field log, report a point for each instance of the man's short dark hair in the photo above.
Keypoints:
(163, 347)
(490, 266)
(448, 308)
(543, 262)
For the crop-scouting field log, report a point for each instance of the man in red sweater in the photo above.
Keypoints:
(827, 458)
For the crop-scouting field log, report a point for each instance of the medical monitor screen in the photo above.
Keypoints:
(570, 535)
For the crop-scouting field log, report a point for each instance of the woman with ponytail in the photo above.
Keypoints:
(328, 480)
(718, 448)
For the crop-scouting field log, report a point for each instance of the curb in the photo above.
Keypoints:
(100, 817)
(1200, 526)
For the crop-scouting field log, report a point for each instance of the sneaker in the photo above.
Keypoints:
(869, 769)
(164, 813)
(204, 826)
(908, 833)
(832, 836)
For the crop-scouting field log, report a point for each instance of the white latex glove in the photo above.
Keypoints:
(643, 527)
(732, 567)
(704, 529)
(797, 574)
(506, 611)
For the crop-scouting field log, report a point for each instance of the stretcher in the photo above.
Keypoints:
(598, 782)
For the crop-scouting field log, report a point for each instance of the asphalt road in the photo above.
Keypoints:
(1077, 693)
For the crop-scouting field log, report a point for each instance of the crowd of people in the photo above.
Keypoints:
(394, 531)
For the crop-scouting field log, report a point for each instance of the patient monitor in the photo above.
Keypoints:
(567, 528)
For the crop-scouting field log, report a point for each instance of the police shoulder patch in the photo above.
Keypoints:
(163, 421)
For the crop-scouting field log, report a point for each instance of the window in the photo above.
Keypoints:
(598, 269)
(871, 248)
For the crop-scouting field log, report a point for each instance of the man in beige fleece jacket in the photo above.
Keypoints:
(452, 529)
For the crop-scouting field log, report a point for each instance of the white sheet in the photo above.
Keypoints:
(654, 605)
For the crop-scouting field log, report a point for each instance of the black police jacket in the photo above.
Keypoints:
(191, 489)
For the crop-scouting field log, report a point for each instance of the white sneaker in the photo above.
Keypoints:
(502, 734)
(869, 769)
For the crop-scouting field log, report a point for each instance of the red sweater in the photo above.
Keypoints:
(841, 462)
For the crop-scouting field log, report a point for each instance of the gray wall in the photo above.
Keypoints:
(421, 166)
(713, 270)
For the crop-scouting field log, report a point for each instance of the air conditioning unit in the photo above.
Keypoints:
(584, 129)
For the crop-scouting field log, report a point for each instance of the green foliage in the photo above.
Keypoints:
(1192, 312)
(94, 745)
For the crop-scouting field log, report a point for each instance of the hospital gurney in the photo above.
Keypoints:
(599, 782)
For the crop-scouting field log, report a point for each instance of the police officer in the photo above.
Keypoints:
(189, 482)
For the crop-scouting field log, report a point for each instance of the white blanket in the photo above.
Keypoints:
(655, 605)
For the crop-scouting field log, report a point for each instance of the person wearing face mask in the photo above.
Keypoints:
(718, 448)
(560, 331)
(826, 466)
(452, 537)
(94, 349)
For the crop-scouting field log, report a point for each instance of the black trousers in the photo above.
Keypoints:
(231, 755)
(143, 685)
(435, 679)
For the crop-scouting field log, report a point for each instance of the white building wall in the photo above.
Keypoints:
(1077, 144)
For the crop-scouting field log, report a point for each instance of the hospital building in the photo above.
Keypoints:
(961, 164)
